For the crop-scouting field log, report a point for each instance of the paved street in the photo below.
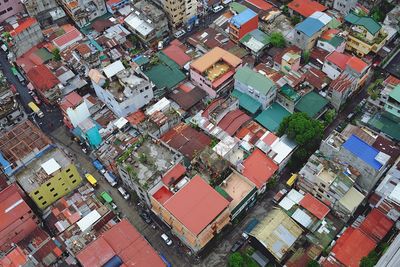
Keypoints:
(129, 209)
(52, 115)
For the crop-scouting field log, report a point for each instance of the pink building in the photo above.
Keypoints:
(213, 72)
(9, 8)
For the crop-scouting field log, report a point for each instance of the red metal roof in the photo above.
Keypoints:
(352, 246)
(357, 64)
(260, 4)
(123, 240)
(162, 195)
(23, 25)
(376, 225)
(259, 168)
(233, 120)
(72, 100)
(306, 7)
(67, 37)
(136, 117)
(196, 205)
(172, 176)
(15, 258)
(313, 205)
(176, 53)
(42, 78)
(338, 59)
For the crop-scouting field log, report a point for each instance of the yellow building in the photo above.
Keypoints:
(49, 177)
(365, 35)
(180, 11)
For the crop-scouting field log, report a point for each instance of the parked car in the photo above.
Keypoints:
(145, 217)
(179, 33)
(217, 9)
(166, 239)
(37, 100)
(123, 192)
(238, 244)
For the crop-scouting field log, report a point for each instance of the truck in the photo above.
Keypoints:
(97, 164)
(111, 179)
(36, 109)
(249, 227)
(91, 179)
(278, 197)
(108, 199)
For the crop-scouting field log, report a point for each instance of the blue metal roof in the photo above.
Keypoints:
(363, 151)
(310, 26)
(243, 17)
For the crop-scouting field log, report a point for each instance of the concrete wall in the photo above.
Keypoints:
(265, 100)
(331, 70)
(10, 8)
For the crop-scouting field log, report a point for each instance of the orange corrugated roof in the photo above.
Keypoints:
(357, 64)
(136, 117)
(306, 7)
(260, 4)
(15, 258)
(352, 246)
(196, 205)
(259, 168)
(173, 174)
(23, 26)
(329, 34)
(339, 59)
(376, 225)
(313, 205)
(213, 56)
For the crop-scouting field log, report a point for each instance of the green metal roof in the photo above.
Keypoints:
(272, 117)
(312, 104)
(290, 93)
(367, 22)
(44, 54)
(247, 102)
(385, 125)
(256, 40)
(395, 93)
(223, 193)
(237, 8)
(336, 41)
(334, 24)
(165, 74)
(255, 80)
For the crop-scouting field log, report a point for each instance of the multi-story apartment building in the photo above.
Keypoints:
(214, 71)
(49, 177)
(10, 8)
(195, 212)
(332, 183)
(26, 35)
(46, 84)
(83, 12)
(308, 31)
(256, 85)
(344, 6)
(147, 22)
(74, 109)
(43, 10)
(114, 5)
(242, 23)
(365, 35)
(123, 90)
(180, 12)
(392, 104)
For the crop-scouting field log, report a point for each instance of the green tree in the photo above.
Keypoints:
(56, 54)
(236, 260)
(370, 260)
(305, 131)
(329, 116)
(295, 20)
(373, 89)
(306, 56)
(313, 263)
(277, 39)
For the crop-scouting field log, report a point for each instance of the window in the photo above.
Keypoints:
(37, 192)
(68, 170)
(52, 189)
(40, 198)
(48, 184)
(71, 176)
(74, 181)
(55, 195)
(44, 203)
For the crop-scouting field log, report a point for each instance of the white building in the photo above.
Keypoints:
(123, 90)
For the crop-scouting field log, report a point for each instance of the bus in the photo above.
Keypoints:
(291, 180)
(91, 179)
(36, 109)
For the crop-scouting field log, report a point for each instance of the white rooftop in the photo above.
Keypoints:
(87, 221)
(352, 199)
(395, 195)
(161, 105)
(295, 196)
(138, 24)
(321, 16)
(121, 122)
(302, 218)
(50, 166)
(113, 69)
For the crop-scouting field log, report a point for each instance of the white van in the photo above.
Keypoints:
(123, 192)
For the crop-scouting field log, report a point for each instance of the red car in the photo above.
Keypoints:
(37, 100)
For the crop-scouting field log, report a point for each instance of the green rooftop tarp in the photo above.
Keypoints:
(312, 104)
(272, 117)
(247, 102)
(166, 73)
(385, 125)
